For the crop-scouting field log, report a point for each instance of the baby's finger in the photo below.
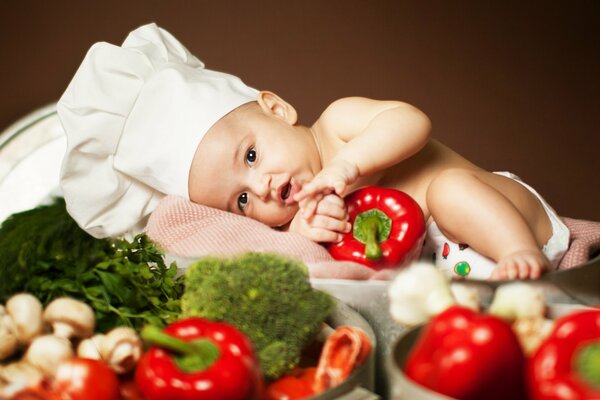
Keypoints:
(316, 186)
(307, 190)
(323, 235)
(334, 199)
(331, 224)
(332, 209)
(340, 188)
(309, 206)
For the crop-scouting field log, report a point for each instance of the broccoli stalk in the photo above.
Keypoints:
(266, 296)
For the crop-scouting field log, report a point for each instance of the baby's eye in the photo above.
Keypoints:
(242, 201)
(251, 156)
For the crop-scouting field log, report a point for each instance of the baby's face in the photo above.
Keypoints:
(252, 163)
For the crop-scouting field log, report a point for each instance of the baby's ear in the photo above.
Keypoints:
(272, 104)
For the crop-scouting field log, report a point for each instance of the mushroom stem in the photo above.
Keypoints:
(63, 329)
(70, 318)
(17, 376)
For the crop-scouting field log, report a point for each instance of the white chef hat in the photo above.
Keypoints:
(134, 116)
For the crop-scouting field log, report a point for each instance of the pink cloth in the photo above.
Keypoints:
(190, 230)
(584, 242)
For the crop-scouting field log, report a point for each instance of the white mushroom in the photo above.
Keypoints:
(90, 347)
(518, 300)
(418, 293)
(121, 349)
(26, 313)
(70, 318)
(47, 352)
(466, 296)
(8, 339)
(17, 376)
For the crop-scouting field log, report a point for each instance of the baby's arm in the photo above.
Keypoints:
(327, 224)
(377, 135)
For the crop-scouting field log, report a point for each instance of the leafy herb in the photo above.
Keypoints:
(43, 251)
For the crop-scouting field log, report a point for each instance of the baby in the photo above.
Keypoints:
(174, 127)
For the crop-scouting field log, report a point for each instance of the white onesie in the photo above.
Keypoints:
(458, 260)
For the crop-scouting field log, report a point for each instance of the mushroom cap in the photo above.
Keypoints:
(47, 352)
(90, 347)
(70, 317)
(26, 313)
(8, 339)
(121, 349)
(8, 342)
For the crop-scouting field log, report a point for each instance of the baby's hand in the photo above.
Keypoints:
(328, 222)
(335, 178)
(525, 264)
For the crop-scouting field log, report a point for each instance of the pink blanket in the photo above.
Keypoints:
(190, 230)
(584, 242)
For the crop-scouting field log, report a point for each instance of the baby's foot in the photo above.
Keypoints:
(523, 264)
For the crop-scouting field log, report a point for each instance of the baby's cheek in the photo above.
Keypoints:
(273, 215)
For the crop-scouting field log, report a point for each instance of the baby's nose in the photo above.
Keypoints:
(262, 187)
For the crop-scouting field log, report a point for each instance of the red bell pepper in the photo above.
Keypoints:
(388, 229)
(198, 359)
(466, 355)
(567, 363)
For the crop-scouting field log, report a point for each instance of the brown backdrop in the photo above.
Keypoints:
(511, 86)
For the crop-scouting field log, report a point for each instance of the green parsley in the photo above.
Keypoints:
(44, 252)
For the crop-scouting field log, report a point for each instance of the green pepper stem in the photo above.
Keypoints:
(370, 228)
(588, 363)
(154, 335)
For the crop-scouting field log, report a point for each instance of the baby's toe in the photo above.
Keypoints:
(535, 271)
(524, 270)
(512, 270)
(499, 273)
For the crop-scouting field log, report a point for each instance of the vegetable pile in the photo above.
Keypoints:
(45, 253)
(230, 328)
(511, 351)
(41, 349)
(266, 296)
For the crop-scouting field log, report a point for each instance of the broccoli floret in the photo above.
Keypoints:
(266, 296)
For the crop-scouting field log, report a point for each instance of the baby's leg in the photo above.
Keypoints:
(496, 216)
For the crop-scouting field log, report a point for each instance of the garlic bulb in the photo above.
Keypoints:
(518, 300)
(418, 293)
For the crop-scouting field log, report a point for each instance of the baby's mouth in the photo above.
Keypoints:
(287, 192)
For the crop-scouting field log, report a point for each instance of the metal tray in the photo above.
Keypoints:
(31, 152)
